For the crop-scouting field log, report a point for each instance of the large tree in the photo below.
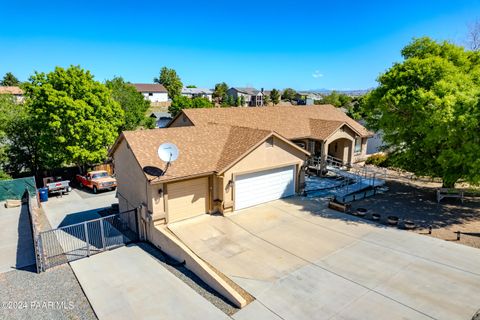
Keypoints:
(132, 102)
(180, 102)
(428, 109)
(289, 94)
(9, 80)
(473, 36)
(171, 81)
(275, 96)
(74, 118)
(220, 92)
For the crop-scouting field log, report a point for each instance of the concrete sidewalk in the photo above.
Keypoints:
(77, 206)
(127, 283)
(301, 260)
(16, 245)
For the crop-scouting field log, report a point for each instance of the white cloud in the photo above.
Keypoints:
(317, 74)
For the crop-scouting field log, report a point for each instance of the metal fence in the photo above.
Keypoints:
(80, 240)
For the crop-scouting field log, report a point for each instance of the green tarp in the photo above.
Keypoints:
(14, 189)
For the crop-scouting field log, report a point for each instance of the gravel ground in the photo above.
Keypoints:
(187, 276)
(55, 294)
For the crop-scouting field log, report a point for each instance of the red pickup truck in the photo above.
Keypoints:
(97, 180)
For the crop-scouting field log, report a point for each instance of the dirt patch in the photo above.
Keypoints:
(416, 201)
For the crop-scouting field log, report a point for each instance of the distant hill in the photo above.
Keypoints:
(354, 93)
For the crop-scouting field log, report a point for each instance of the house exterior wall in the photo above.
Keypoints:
(262, 158)
(131, 181)
(375, 143)
(362, 155)
(155, 96)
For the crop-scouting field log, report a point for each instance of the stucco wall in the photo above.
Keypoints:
(132, 184)
(156, 201)
(262, 158)
(165, 240)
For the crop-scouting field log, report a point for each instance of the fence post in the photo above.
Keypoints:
(41, 260)
(86, 238)
(102, 234)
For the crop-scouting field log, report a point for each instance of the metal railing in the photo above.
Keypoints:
(80, 240)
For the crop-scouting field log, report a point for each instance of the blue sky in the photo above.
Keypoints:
(299, 44)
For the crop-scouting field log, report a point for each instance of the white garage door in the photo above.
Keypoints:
(263, 186)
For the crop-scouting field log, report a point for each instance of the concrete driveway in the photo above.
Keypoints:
(77, 206)
(16, 246)
(127, 283)
(301, 260)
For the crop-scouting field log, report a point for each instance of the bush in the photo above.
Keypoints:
(379, 160)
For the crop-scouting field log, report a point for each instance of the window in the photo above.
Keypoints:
(150, 94)
(358, 145)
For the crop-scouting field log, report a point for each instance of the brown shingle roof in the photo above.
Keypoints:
(292, 122)
(10, 90)
(202, 149)
(149, 87)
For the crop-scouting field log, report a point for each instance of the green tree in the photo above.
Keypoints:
(191, 86)
(266, 100)
(289, 94)
(180, 102)
(428, 109)
(171, 81)
(275, 96)
(336, 99)
(73, 117)
(10, 111)
(242, 101)
(230, 101)
(220, 92)
(132, 102)
(9, 80)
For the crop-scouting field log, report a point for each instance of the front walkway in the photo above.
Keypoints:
(303, 261)
(127, 283)
(16, 244)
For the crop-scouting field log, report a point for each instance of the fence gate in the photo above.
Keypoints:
(80, 240)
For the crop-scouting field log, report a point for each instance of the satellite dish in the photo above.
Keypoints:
(168, 152)
(153, 171)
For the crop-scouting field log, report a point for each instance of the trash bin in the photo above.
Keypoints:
(43, 192)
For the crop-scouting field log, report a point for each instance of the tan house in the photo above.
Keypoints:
(323, 130)
(220, 168)
(16, 92)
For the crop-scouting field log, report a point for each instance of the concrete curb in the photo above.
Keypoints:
(165, 240)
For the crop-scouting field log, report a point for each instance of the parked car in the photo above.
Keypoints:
(97, 180)
(57, 185)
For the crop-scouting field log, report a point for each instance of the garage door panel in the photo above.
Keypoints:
(187, 199)
(263, 186)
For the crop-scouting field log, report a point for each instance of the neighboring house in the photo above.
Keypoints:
(306, 98)
(251, 96)
(16, 92)
(197, 92)
(220, 168)
(161, 119)
(152, 92)
(321, 129)
(375, 142)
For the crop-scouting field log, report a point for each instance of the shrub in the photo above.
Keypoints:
(379, 160)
